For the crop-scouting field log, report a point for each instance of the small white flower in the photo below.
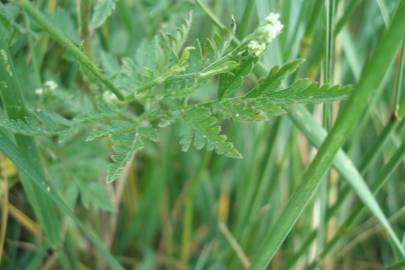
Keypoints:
(256, 48)
(278, 27)
(39, 91)
(271, 28)
(272, 18)
(109, 97)
(271, 31)
(51, 85)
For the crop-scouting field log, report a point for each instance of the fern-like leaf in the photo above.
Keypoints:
(269, 90)
(231, 81)
(247, 110)
(37, 123)
(115, 127)
(124, 146)
(176, 42)
(307, 92)
(274, 79)
(201, 129)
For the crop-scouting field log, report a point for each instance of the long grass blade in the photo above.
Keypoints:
(16, 109)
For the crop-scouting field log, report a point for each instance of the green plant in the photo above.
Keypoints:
(91, 93)
(169, 73)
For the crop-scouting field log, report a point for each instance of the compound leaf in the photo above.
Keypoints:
(201, 128)
(124, 146)
(274, 79)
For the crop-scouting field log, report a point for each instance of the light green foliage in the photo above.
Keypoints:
(76, 171)
(274, 79)
(124, 147)
(7, 23)
(127, 140)
(37, 123)
(230, 82)
(94, 196)
(102, 10)
(178, 134)
(64, 22)
(168, 72)
(305, 91)
(203, 128)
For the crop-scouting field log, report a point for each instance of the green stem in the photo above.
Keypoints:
(327, 116)
(187, 230)
(399, 80)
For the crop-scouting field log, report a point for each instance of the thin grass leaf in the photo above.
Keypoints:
(16, 110)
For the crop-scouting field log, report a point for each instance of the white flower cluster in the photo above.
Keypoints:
(256, 48)
(265, 33)
(49, 86)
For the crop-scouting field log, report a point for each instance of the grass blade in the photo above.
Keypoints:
(15, 108)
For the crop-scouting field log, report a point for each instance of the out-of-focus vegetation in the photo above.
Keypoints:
(181, 134)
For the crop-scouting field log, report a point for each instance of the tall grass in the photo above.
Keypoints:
(320, 187)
